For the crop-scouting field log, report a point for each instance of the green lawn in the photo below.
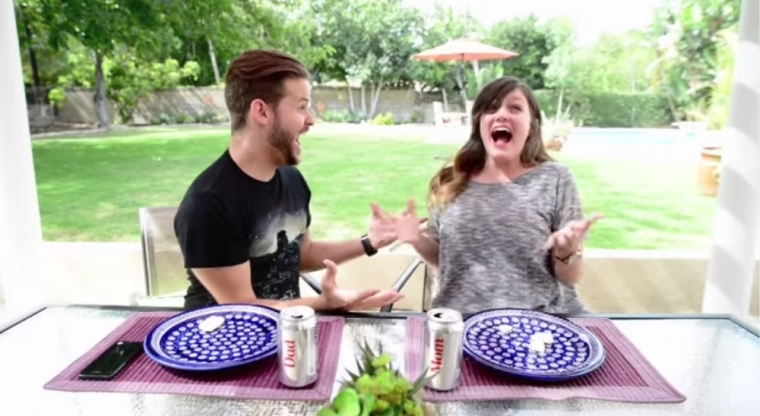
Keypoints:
(90, 188)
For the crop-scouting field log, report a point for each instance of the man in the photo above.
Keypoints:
(243, 225)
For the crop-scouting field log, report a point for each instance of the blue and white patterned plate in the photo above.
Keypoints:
(501, 339)
(248, 334)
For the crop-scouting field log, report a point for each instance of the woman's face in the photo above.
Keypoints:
(505, 127)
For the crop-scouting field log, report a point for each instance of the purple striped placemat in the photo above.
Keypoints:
(257, 381)
(625, 376)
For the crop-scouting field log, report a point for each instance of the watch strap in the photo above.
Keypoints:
(368, 249)
(568, 259)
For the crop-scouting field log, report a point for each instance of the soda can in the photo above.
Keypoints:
(297, 352)
(444, 335)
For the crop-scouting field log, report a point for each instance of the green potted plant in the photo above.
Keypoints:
(714, 115)
(378, 390)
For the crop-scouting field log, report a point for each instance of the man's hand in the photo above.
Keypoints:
(382, 228)
(333, 297)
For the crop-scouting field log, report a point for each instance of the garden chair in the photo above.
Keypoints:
(166, 278)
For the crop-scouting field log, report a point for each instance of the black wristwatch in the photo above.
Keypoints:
(368, 246)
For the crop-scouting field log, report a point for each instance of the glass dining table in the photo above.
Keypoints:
(714, 360)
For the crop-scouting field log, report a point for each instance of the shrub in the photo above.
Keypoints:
(384, 119)
(610, 109)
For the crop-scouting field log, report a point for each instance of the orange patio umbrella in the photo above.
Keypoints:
(464, 49)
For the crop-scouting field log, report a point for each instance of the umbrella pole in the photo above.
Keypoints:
(461, 80)
(476, 69)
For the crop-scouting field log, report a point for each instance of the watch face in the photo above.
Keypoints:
(368, 249)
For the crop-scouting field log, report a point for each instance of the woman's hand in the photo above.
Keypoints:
(408, 225)
(569, 239)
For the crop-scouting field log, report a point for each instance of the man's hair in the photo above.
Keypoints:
(258, 74)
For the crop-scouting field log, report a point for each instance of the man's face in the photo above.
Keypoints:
(292, 119)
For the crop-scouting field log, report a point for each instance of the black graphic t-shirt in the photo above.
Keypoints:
(227, 218)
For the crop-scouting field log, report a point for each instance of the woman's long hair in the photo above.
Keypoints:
(452, 179)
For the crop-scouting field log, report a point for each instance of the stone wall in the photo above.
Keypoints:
(405, 105)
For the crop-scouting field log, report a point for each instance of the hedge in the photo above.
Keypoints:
(609, 109)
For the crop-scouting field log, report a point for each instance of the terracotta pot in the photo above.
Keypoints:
(708, 171)
(554, 144)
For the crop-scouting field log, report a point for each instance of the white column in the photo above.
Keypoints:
(20, 228)
(737, 220)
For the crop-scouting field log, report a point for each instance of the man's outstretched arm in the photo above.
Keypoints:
(233, 285)
(314, 253)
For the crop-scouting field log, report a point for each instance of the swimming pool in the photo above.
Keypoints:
(641, 144)
(618, 136)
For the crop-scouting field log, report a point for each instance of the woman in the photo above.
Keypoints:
(506, 223)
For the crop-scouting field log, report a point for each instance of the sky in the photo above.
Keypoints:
(590, 17)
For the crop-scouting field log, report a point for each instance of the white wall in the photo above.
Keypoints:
(94, 273)
(20, 229)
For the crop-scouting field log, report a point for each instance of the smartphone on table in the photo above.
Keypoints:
(112, 361)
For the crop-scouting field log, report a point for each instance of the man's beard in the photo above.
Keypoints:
(282, 143)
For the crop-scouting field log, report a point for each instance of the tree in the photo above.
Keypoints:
(41, 65)
(373, 43)
(686, 35)
(129, 77)
(205, 23)
(532, 41)
(214, 33)
(100, 25)
(615, 63)
(618, 62)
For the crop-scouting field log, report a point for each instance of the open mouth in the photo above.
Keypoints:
(501, 135)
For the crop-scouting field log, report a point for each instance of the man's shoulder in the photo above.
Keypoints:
(291, 173)
(213, 178)
(210, 187)
(294, 179)
(198, 203)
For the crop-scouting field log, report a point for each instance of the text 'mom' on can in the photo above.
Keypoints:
(444, 332)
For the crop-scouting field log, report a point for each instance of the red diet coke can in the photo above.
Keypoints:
(444, 334)
(297, 353)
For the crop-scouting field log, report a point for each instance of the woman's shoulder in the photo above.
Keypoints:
(547, 174)
(554, 168)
